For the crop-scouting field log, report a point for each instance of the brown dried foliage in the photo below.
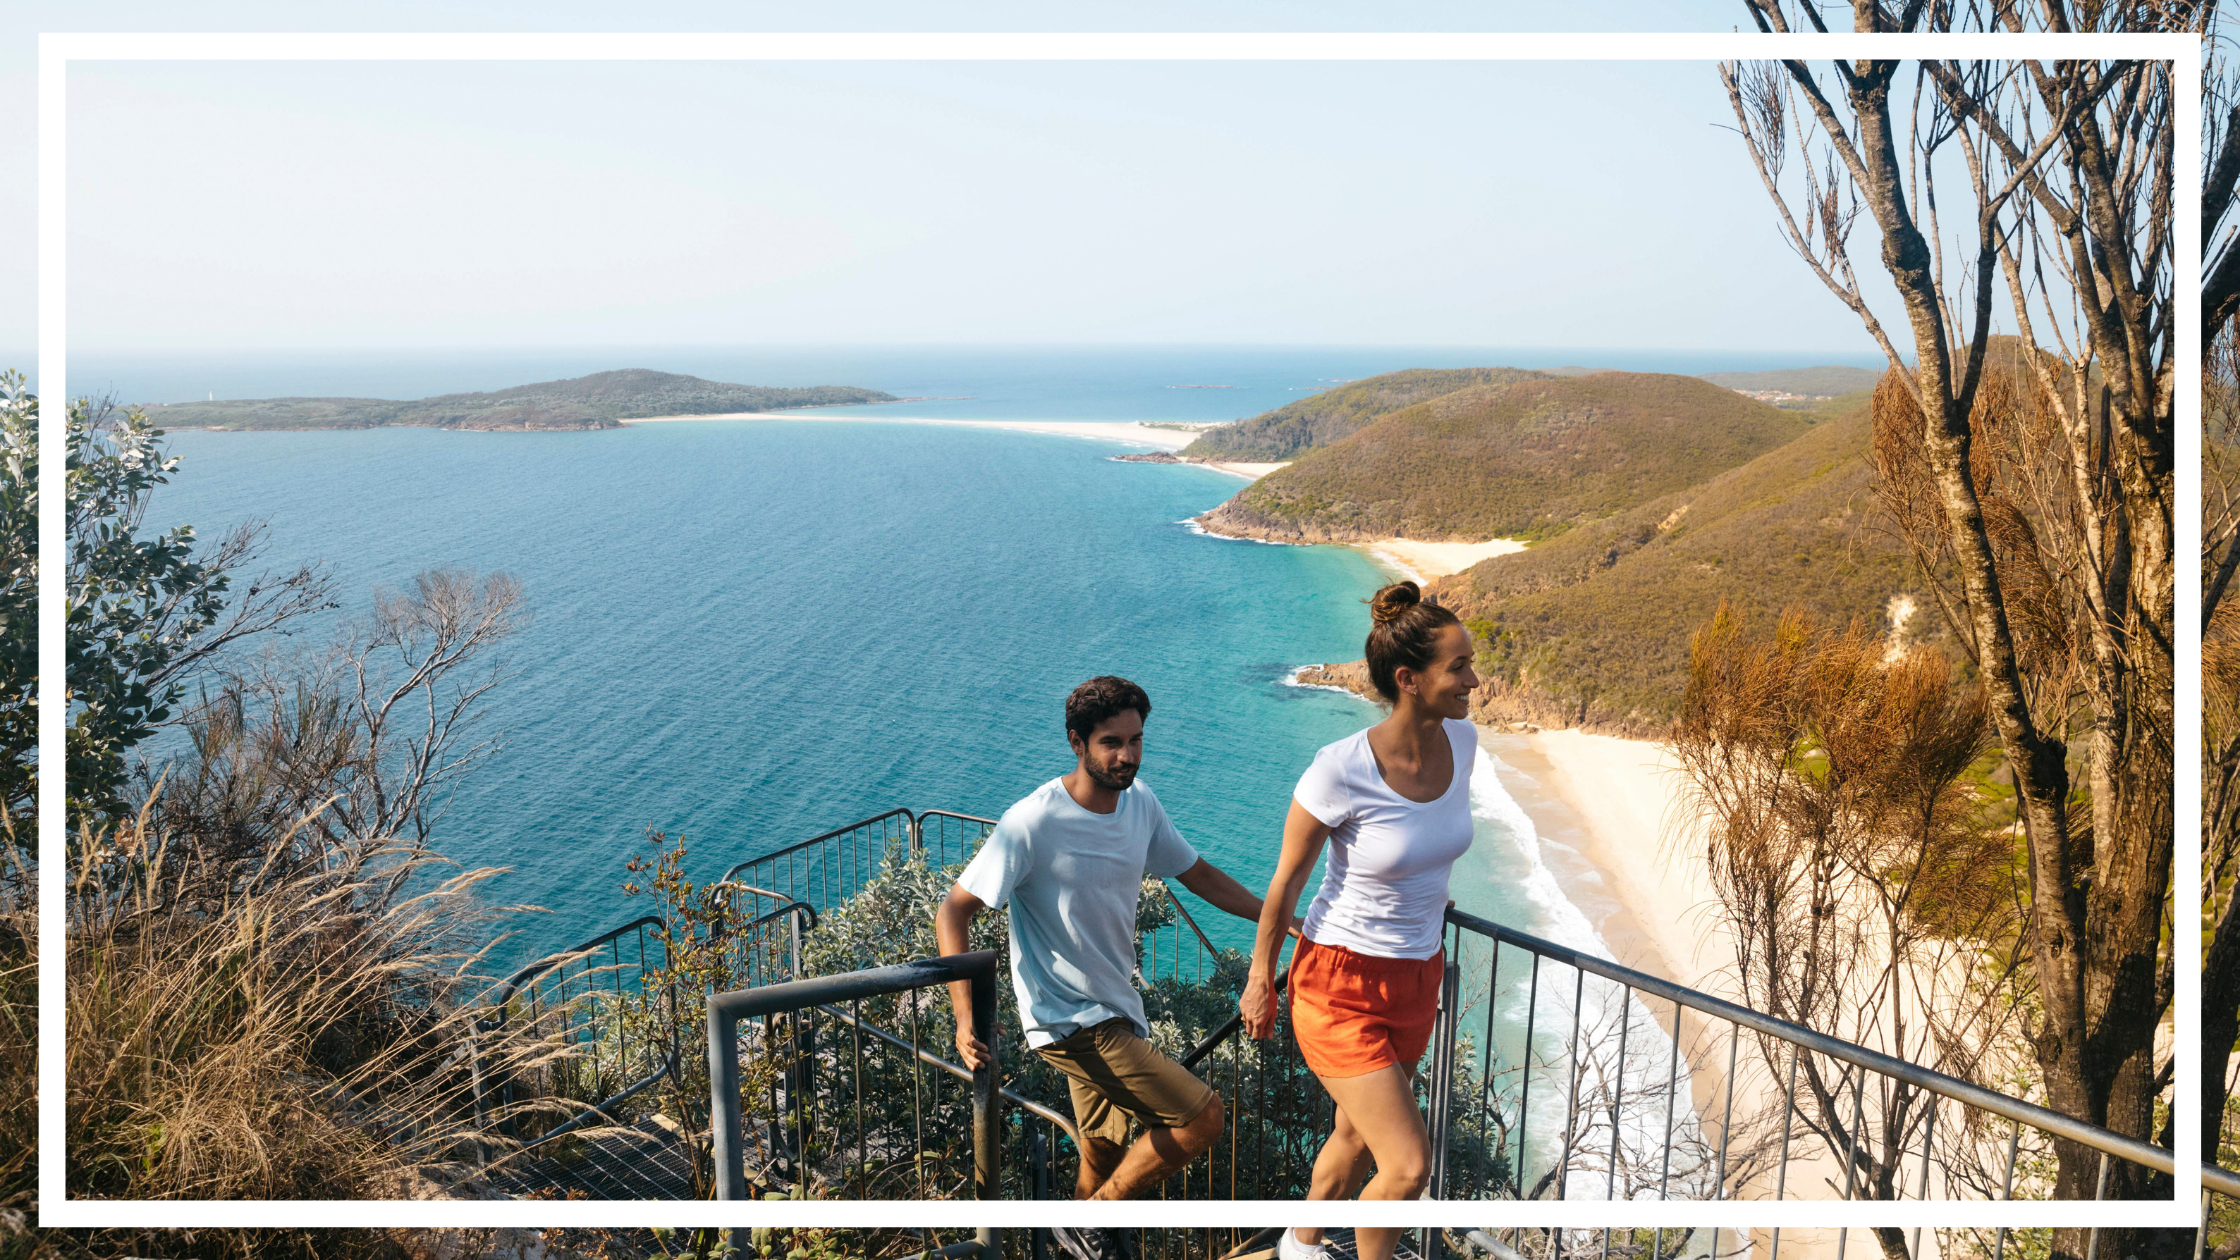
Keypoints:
(1867, 897)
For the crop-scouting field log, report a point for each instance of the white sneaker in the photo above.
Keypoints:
(1290, 1248)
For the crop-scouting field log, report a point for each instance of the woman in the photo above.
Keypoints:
(1394, 803)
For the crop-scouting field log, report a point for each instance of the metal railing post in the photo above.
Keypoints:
(987, 1133)
(480, 1086)
(1442, 1074)
(724, 1122)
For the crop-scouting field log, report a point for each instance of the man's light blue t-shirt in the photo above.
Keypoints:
(1071, 879)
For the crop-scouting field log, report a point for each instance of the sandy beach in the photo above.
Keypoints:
(1124, 432)
(1419, 561)
(1617, 802)
(1626, 794)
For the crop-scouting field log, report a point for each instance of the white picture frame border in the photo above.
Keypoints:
(57, 51)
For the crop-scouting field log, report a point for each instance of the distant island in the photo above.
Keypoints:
(601, 400)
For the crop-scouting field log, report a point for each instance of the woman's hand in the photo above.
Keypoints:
(1258, 1007)
(971, 1049)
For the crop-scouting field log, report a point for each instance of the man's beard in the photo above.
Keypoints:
(1115, 780)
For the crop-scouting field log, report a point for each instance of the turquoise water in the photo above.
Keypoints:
(752, 631)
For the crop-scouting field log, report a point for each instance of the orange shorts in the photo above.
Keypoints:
(1357, 1013)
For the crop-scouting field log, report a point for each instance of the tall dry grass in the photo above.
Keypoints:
(275, 1031)
(280, 1023)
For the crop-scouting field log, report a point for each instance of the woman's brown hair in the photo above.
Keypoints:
(1405, 632)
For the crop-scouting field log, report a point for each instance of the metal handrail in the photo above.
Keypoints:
(953, 1068)
(500, 997)
(1228, 1029)
(2158, 1158)
(909, 818)
(924, 814)
(600, 1109)
(505, 989)
(726, 1010)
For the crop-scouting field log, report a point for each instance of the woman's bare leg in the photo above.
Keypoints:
(1402, 1151)
(1338, 1171)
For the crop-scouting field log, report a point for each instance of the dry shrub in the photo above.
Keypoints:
(276, 1026)
(1868, 896)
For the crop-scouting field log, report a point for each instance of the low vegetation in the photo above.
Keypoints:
(1591, 628)
(1525, 460)
(1335, 413)
(598, 401)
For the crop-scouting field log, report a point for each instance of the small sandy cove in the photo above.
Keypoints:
(1125, 432)
(1418, 561)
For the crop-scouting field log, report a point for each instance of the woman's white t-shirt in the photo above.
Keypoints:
(1384, 891)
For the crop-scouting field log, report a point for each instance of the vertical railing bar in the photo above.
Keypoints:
(1788, 1108)
(1928, 1139)
(1617, 1099)
(1671, 1100)
(863, 1157)
(1524, 1101)
(1726, 1123)
(1571, 1103)
(1851, 1147)
(803, 1034)
(621, 1025)
(2014, 1143)
(917, 1107)
(1487, 1065)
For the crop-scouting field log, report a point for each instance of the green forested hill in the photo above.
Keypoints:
(1336, 413)
(1592, 627)
(597, 401)
(1530, 459)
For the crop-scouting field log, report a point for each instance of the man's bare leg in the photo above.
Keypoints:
(1152, 1156)
(1098, 1160)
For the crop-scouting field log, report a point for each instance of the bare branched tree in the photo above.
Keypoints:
(2055, 567)
(364, 742)
(1631, 1126)
(1852, 862)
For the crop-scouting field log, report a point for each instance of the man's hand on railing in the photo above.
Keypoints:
(971, 1049)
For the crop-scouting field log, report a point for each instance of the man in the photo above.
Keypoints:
(1069, 860)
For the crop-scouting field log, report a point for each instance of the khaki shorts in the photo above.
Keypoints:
(1114, 1074)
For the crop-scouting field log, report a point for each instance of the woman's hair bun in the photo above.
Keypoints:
(1393, 601)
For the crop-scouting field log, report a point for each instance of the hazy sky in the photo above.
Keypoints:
(247, 205)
